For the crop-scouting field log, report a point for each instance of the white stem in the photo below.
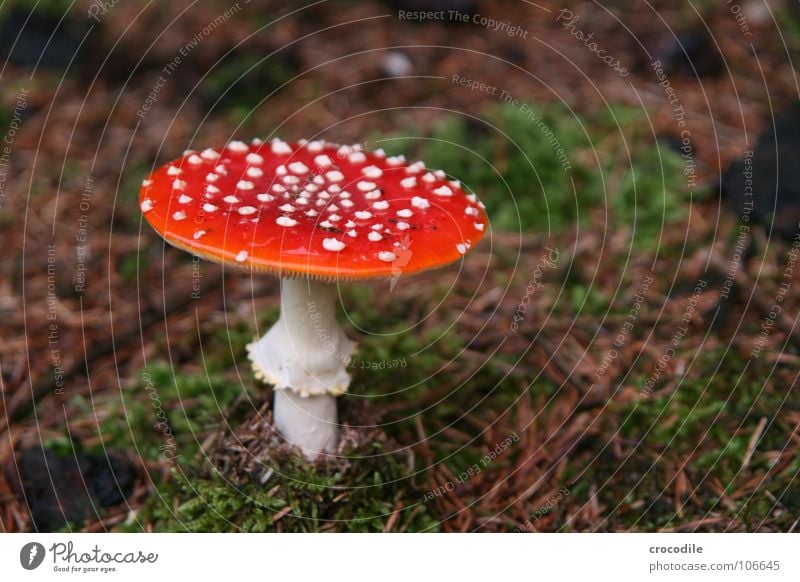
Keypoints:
(305, 356)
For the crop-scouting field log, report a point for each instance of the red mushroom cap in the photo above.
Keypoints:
(312, 209)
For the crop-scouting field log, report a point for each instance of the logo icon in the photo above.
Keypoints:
(403, 255)
(31, 555)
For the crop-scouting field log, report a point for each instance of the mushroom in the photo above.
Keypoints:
(315, 214)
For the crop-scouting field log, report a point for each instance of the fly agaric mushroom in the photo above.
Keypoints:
(314, 214)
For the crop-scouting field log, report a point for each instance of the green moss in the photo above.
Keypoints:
(298, 497)
(545, 168)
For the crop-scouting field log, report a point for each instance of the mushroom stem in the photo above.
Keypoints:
(305, 356)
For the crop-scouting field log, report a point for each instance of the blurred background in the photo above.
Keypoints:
(628, 327)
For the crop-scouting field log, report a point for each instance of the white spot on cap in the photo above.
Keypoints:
(376, 226)
(184, 199)
(352, 233)
(221, 169)
(381, 205)
(332, 208)
(146, 183)
(264, 197)
(256, 141)
(365, 186)
(374, 236)
(346, 203)
(419, 202)
(253, 158)
(281, 170)
(195, 160)
(387, 256)
(471, 211)
(415, 168)
(298, 168)
(323, 161)
(349, 224)
(245, 185)
(174, 171)
(147, 205)
(326, 224)
(291, 180)
(334, 176)
(247, 210)
(334, 218)
(280, 147)
(315, 146)
(440, 174)
(211, 177)
(254, 172)
(238, 146)
(455, 183)
(209, 154)
(302, 200)
(395, 160)
(409, 182)
(331, 244)
(335, 188)
(285, 221)
(374, 195)
(405, 213)
(403, 226)
(179, 185)
(210, 207)
(211, 189)
(278, 189)
(428, 177)
(379, 153)
(319, 180)
(231, 199)
(198, 234)
(180, 215)
(479, 226)
(461, 248)
(241, 257)
(373, 172)
(363, 214)
(312, 213)
(287, 208)
(443, 191)
(357, 158)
